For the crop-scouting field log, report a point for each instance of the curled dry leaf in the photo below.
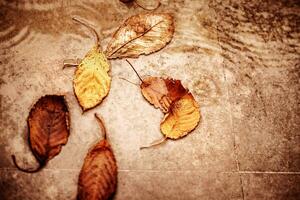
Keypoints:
(48, 124)
(141, 34)
(182, 111)
(91, 81)
(98, 176)
(182, 118)
(162, 92)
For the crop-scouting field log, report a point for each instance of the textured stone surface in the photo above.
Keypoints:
(240, 59)
(271, 186)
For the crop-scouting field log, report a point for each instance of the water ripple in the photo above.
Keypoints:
(19, 19)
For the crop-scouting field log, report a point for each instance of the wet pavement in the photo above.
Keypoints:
(240, 59)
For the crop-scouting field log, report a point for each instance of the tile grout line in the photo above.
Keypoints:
(231, 123)
(269, 172)
(233, 136)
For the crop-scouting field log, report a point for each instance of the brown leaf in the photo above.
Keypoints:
(141, 34)
(98, 176)
(48, 124)
(162, 92)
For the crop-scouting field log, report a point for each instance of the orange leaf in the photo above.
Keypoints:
(183, 117)
(98, 176)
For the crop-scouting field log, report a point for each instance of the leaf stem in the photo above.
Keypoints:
(41, 165)
(155, 143)
(101, 123)
(71, 63)
(135, 71)
(129, 81)
(80, 21)
(157, 6)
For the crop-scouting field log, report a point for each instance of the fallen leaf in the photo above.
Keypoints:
(91, 80)
(162, 92)
(141, 34)
(48, 124)
(182, 118)
(98, 176)
(182, 111)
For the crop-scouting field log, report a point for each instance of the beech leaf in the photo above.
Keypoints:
(162, 92)
(182, 118)
(98, 176)
(48, 124)
(182, 113)
(141, 34)
(91, 80)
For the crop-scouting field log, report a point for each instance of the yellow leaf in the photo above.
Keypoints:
(183, 117)
(141, 34)
(92, 81)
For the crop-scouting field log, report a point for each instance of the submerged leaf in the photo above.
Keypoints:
(92, 81)
(48, 124)
(98, 176)
(162, 92)
(183, 117)
(141, 34)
